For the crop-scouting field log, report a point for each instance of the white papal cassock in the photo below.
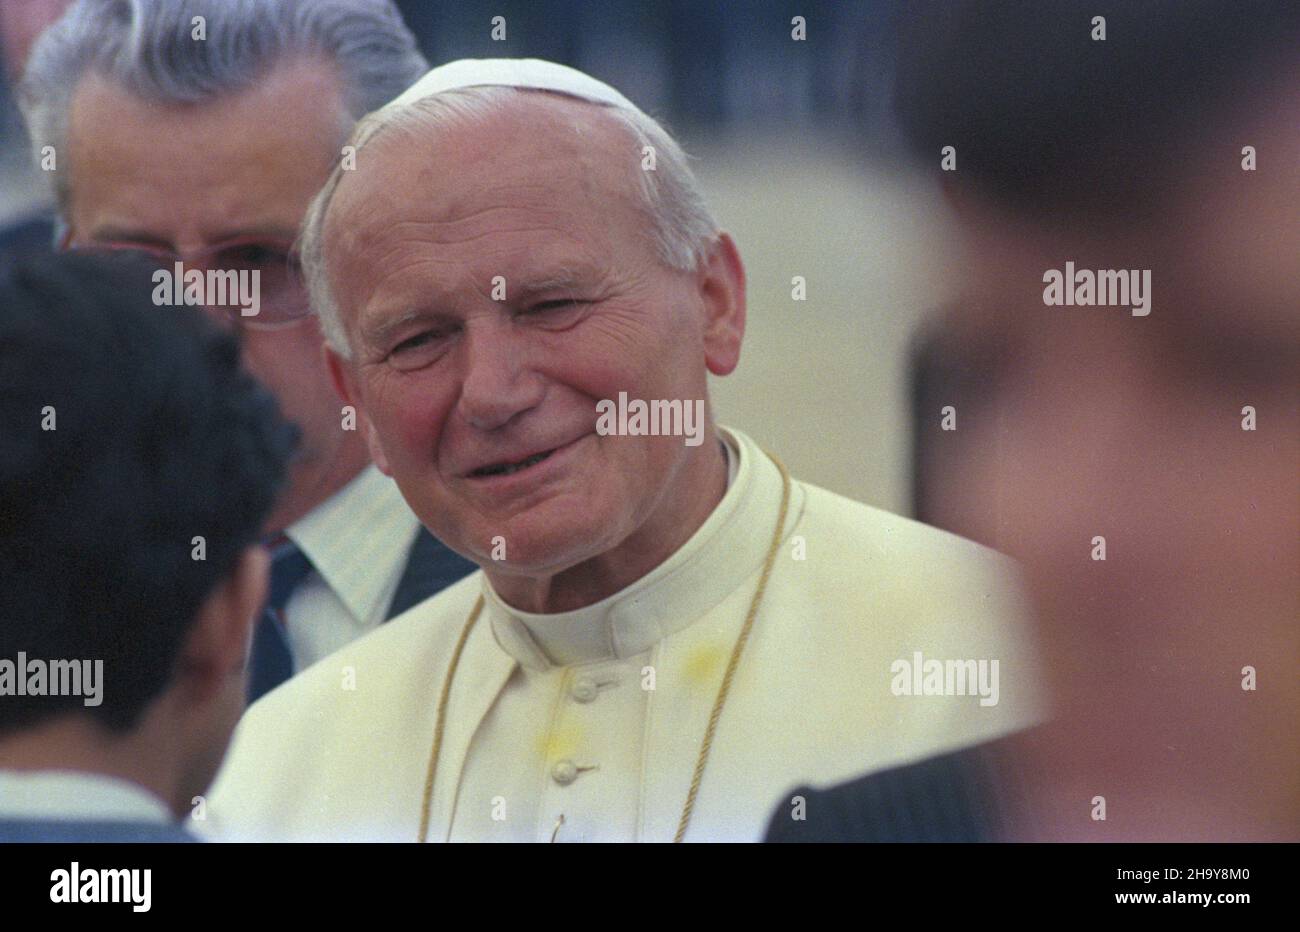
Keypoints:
(597, 715)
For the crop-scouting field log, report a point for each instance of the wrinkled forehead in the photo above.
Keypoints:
(529, 152)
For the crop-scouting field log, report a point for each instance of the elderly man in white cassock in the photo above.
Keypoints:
(668, 632)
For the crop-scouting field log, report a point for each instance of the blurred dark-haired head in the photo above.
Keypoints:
(138, 466)
(1140, 464)
(1049, 118)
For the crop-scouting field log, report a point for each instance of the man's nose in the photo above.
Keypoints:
(498, 384)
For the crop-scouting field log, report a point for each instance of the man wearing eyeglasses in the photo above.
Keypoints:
(198, 133)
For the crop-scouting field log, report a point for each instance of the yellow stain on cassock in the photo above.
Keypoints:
(560, 743)
(705, 664)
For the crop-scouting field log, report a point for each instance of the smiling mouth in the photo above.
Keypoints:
(506, 469)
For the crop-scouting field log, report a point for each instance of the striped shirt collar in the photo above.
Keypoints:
(358, 541)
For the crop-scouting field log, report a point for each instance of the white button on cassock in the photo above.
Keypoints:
(564, 772)
(583, 690)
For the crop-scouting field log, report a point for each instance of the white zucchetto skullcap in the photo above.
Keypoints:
(531, 73)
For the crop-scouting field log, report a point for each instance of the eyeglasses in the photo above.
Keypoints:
(282, 294)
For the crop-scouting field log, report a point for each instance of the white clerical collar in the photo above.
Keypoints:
(721, 555)
(71, 795)
(364, 525)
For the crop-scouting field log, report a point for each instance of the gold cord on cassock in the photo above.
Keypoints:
(441, 719)
(702, 760)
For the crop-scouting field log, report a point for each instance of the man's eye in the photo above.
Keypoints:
(553, 305)
(417, 351)
(412, 342)
(559, 313)
(252, 255)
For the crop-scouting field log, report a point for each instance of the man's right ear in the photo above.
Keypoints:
(344, 378)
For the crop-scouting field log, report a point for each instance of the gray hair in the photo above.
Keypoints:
(682, 227)
(148, 48)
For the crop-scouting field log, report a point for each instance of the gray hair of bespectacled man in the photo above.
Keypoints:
(152, 49)
(679, 221)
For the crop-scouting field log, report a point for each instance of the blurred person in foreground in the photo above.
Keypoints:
(139, 464)
(667, 629)
(1139, 456)
(202, 141)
